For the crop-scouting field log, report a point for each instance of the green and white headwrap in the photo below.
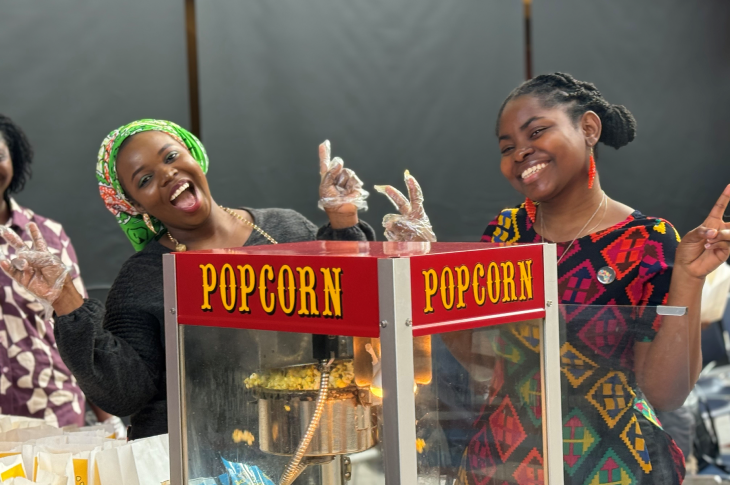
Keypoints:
(110, 188)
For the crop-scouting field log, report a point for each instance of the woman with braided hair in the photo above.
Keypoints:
(608, 254)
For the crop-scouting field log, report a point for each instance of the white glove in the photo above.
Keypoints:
(412, 223)
(35, 268)
(338, 185)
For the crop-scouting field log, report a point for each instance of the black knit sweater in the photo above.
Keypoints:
(117, 354)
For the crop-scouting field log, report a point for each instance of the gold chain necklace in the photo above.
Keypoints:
(179, 247)
(542, 226)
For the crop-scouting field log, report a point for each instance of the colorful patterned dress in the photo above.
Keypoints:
(610, 432)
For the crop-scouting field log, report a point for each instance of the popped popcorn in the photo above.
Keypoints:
(303, 378)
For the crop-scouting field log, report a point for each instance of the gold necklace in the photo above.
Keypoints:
(180, 247)
(542, 226)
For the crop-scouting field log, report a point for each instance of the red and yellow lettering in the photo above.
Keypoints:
(267, 274)
(493, 282)
(307, 283)
(447, 291)
(332, 291)
(209, 281)
(479, 291)
(287, 290)
(431, 285)
(248, 285)
(525, 279)
(508, 281)
(462, 284)
(228, 298)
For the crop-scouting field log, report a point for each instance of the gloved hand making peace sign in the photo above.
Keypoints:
(37, 270)
(412, 223)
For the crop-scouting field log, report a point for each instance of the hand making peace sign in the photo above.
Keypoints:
(705, 248)
(412, 224)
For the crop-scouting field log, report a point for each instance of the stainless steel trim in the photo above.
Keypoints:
(671, 311)
(442, 326)
(346, 426)
(552, 422)
(396, 344)
(172, 353)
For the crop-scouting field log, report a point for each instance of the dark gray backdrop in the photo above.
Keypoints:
(394, 84)
(70, 72)
(668, 61)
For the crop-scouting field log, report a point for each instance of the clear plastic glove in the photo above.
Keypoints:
(35, 268)
(339, 186)
(412, 223)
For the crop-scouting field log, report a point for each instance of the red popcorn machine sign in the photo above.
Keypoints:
(322, 350)
(332, 287)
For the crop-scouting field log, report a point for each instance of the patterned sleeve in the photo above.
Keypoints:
(507, 227)
(655, 274)
(489, 231)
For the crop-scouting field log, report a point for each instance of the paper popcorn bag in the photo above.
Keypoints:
(12, 467)
(152, 459)
(56, 463)
(19, 481)
(48, 478)
(10, 449)
(139, 462)
(8, 423)
(27, 434)
(103, 430)
(107, 468)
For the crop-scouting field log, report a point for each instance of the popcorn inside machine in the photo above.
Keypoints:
(330, 362)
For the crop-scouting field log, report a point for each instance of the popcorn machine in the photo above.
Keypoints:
(334, 362)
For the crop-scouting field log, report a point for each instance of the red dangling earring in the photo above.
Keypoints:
(531, 210)
(591, 170)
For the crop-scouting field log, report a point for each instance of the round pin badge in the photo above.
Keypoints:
(606, 275)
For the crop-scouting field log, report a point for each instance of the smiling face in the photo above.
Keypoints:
(6, 165)
(164, 180)
(543, 149)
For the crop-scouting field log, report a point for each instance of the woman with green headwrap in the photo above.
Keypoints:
(152, 178)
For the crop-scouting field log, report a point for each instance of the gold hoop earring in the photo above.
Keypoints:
(148, 223)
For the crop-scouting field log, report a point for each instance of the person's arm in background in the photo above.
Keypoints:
(69, 258)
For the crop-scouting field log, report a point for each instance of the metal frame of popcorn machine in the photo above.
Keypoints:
(343, 335)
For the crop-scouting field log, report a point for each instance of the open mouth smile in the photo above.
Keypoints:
(531, 172)
(185, 197)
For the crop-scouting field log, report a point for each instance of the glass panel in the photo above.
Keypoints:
(620, 367)
(249, 397)
(479, 416)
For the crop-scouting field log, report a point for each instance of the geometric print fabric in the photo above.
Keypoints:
(608, 428)
(634, 440)
(611, 470)
(576, 367)
(612, 397)
(578, 440)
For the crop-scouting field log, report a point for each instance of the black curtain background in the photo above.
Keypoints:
(393, 84)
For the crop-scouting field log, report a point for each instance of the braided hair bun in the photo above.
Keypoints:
(619, 125)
